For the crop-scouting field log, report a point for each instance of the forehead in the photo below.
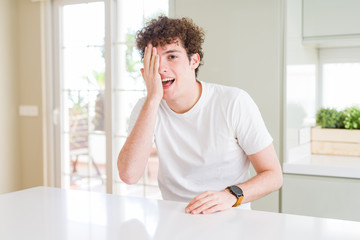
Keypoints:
(175, 47)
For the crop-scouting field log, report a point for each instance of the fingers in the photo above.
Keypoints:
(196, 200)
(156, 63)
(151, 62)
(202, 203)
(208, 202)
(213, 209)
(149, 58)
(150, 73)
(205, 207)
(147, 55)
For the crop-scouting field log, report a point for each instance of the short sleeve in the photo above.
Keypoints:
(250, 129)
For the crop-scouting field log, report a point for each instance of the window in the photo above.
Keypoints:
(300, 94)
(81, 84)
(340, 77)
(98, 82)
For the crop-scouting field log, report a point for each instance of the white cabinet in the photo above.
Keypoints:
(327, 197)
(331, 18)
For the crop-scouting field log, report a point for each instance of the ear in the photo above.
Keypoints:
(195, 61)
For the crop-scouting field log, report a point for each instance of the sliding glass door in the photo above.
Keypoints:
(97, 83)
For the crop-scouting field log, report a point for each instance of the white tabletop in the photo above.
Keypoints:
(49, 214)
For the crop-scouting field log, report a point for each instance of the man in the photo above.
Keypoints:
(206, 134)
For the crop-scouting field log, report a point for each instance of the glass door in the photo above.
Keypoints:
(97, 83)
(81, 85)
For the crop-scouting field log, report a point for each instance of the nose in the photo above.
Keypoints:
(163, 68)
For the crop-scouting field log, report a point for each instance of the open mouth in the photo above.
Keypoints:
(166, 82)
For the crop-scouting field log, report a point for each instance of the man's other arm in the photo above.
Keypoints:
(268, 179)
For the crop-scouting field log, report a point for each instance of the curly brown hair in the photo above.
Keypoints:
(164, 30)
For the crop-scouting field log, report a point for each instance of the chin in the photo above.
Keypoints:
(168, 96)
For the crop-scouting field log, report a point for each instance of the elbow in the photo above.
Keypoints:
(127, 178)
(278, 177)
(275, 180)
(125, 174)
(279, 181)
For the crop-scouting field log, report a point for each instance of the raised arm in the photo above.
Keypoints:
(136, 150)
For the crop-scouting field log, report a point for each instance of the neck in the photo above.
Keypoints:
(184, 104)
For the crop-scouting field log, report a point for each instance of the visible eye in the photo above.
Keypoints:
(172, 57)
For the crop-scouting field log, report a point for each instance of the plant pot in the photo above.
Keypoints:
(330, 141)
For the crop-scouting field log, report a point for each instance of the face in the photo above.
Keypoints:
(177, 71)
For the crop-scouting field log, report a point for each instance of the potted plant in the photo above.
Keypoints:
(337, 132)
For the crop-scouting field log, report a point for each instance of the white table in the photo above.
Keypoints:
(44, 213)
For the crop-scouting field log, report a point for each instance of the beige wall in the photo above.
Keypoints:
(10, 176)
(21, 158)
(29, 65)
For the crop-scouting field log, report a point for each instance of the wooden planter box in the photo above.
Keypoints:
(341, 142)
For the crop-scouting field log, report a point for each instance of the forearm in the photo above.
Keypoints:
(136, 150)
(261, 184)
(267, 180)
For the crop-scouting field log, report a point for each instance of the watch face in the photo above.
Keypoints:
(236, 190)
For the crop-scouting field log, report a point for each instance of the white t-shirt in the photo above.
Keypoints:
(206, 148)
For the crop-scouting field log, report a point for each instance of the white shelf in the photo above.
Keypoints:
(325, 165)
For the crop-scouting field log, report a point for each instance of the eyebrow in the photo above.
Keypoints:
(171, 51)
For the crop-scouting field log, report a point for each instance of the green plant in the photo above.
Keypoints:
(132, 63)
(330, 118)
(352, 117)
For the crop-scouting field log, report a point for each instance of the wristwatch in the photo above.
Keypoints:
(238, 193)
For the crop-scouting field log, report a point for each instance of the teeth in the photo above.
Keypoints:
(167, 79)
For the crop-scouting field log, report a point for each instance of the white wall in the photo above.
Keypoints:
(10, 177)
(301, 68)
(243, 48)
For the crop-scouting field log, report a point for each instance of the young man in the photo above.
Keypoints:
(206, 134)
